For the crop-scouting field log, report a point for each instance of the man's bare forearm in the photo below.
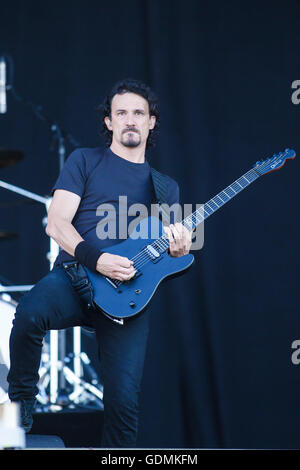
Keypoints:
(65, 234)
(67, 237)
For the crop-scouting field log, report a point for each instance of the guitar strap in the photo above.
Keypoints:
(160, 185)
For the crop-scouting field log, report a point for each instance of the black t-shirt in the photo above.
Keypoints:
(107, 185)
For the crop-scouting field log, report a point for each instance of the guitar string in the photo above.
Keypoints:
(252, 170)
(189, 220)
(163, 242)
(143, 257)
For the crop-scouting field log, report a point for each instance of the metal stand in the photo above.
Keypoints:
(54, 371)
(55, 364)
(84, 393)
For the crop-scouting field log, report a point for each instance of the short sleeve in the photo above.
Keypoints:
(73, 175)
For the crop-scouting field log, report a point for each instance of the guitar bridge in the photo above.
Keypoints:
(112, 282)
(137, 274)
(116, 283)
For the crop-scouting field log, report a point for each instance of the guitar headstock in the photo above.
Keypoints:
(274, 163)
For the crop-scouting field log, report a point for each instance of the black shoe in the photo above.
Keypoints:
(26, 410)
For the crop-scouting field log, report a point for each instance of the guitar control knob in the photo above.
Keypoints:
(132, 304)
(138, 291)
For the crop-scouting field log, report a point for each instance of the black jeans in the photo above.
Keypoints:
(55, 304)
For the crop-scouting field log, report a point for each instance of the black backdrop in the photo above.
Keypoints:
(218, 370)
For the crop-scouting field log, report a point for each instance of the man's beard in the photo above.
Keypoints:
(129, 140)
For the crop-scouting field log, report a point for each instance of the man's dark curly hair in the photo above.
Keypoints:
(139, 88)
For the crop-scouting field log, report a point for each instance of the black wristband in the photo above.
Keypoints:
(87, 254)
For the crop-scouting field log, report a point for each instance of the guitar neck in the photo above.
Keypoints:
(211, 206)
(220, 199)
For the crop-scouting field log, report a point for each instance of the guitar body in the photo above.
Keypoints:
(125, 299)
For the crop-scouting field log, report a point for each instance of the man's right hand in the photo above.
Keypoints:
(115, 267)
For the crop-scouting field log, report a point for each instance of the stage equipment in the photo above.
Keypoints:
(10, 157)
(3, 107)
(55, 371)
(7, 235)
(7, 313)
(12, 435)
(56, 374)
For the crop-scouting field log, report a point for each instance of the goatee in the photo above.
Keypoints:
(131, 143)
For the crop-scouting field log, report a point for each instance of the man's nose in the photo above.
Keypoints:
(130, 119)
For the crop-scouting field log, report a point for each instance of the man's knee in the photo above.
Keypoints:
(30, 317)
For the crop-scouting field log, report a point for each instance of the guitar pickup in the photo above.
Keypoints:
(153, 254)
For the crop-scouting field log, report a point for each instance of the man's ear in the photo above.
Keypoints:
(108, 123)
(152, 122)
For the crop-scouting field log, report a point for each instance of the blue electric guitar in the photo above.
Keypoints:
(119, 299)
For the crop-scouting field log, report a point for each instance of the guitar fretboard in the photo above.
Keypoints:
(211, 206)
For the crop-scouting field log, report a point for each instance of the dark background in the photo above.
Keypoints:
(218, 371)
